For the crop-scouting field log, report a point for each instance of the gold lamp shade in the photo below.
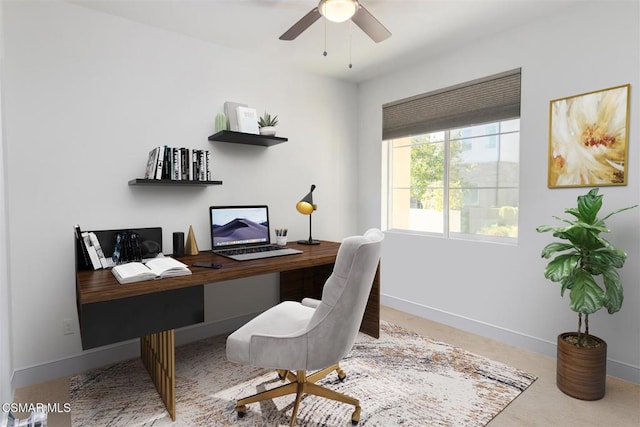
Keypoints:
(306, 207)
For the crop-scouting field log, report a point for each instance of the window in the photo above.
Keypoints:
(458, 181)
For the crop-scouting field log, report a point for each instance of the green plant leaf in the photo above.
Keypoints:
(589, 205)
(618, 211)
(554, 247)
(566, 283)
(545, 228)
(568, 221)
(561, 266)
(575, 233)
(583, 236)
(613, 296)
(586, 296)
(592, 240)
(597, 227)
(606, 258)
(575, 212)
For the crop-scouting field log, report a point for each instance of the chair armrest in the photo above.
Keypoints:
(311, 302)
(279, 352)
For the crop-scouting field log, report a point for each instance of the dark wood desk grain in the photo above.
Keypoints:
(101, 285)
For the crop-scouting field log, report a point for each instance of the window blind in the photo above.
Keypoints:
(488, 99)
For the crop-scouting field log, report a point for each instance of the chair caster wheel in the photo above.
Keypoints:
(355, 417)
(242, 410)
(341, 374)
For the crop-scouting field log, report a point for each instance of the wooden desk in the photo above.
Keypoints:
(110, 312)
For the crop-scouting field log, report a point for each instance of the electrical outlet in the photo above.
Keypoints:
(67, 326)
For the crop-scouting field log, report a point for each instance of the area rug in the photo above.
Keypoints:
(401, 379)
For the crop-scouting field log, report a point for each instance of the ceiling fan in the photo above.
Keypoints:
(340, 11)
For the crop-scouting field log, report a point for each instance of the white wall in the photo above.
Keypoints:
(87, 95)
(500, 290)
(6, 393)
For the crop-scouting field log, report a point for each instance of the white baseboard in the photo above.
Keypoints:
(614, 367)
(114, 353)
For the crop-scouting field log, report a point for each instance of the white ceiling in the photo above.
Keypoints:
(420, 28)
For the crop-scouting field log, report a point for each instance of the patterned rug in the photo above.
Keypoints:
(401, 379)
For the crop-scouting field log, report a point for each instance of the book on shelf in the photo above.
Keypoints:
(177, 164)
(166, 163)
(176, 173)
(159, 162)
(207, 156)
(184, 163)
(155, 268)
(152, 161)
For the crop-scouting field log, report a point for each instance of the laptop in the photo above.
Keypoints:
(242, 233)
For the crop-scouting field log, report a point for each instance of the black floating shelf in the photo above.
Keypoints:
(141, 181)
(246, 138)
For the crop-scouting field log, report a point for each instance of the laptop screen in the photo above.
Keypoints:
(238, 225)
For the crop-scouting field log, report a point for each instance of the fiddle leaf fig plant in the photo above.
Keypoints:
(584, 262)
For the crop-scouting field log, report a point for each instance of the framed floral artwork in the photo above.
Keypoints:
(588, 139)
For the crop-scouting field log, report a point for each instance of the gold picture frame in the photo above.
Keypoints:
(588, 139)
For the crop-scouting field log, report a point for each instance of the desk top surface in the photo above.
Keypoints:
(101, 285)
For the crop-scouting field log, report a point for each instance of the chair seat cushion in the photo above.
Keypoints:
(286, 319)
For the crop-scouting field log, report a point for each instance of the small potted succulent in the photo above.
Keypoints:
(585, 264)
(267, 124)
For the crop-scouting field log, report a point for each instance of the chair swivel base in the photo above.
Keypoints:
(301, 384)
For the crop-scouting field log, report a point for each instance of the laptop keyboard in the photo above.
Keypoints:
(251, 250)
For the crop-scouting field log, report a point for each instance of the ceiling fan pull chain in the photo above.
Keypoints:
(325, 38)
(350, 37)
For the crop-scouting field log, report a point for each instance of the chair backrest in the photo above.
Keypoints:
(334, 326)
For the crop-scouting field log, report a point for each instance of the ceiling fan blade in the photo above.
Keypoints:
(299, 27)
(370, 25)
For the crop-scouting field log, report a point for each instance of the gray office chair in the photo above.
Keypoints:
(312, 335)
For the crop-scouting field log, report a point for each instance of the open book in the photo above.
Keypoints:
(155, 268)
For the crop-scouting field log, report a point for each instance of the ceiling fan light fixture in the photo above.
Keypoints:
(338, 10)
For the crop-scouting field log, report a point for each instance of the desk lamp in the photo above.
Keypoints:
(306, 207)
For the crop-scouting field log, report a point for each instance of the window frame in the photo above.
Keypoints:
(388, 188)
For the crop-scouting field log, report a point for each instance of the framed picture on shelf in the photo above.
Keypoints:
(247, 120)
(588, 139)
(230, 110)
